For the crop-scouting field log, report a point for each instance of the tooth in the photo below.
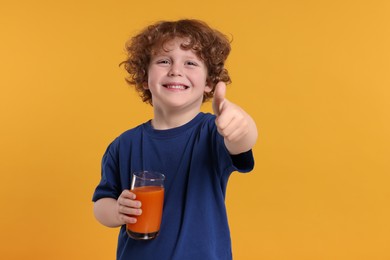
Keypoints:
(176, 87)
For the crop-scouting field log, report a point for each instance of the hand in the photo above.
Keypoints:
(232, 121)
(128, 207)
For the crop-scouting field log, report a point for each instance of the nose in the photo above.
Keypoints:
(175, 70)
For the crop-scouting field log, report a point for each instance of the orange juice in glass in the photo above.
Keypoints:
(148, 186)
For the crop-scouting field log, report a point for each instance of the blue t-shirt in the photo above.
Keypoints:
(197, 166)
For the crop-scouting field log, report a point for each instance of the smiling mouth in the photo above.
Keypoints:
(175, 86)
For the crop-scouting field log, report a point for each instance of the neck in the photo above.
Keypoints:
(166, 120)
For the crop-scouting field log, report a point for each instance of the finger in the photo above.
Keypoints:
(130, 203)
(128, 194)
(219, 97)
(128, 219)
(234, 134)
(129, 211)
(232, 125)
(224, 120)
(126, 200)
(227, 126)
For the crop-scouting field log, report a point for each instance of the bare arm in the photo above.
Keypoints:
(114, 213)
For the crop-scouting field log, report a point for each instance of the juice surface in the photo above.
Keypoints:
(152, 198)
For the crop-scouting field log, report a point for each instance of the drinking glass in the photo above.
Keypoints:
(148, 186)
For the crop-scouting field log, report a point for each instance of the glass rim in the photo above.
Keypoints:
(155, 175)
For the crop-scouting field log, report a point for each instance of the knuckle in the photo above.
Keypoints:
(136, 212)
(229, 138)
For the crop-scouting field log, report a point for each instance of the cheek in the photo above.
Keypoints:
(150, 78)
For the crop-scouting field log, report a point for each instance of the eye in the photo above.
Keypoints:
(163, 61)
(192, 63)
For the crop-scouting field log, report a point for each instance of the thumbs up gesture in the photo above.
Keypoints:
(233, 123)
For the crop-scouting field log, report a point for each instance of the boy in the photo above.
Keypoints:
(176, 66)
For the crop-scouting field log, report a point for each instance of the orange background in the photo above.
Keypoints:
(315, 75)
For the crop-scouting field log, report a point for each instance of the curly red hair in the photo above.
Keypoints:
(210, 45)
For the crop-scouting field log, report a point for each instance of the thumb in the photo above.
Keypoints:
(219, 97)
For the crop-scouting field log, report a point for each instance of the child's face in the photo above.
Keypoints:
(177, 78)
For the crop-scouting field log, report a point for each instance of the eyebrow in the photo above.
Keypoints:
(166, 54)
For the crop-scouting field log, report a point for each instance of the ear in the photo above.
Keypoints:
(208, 87)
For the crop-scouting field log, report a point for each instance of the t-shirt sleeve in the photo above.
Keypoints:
(243, 162)
(109, 186)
